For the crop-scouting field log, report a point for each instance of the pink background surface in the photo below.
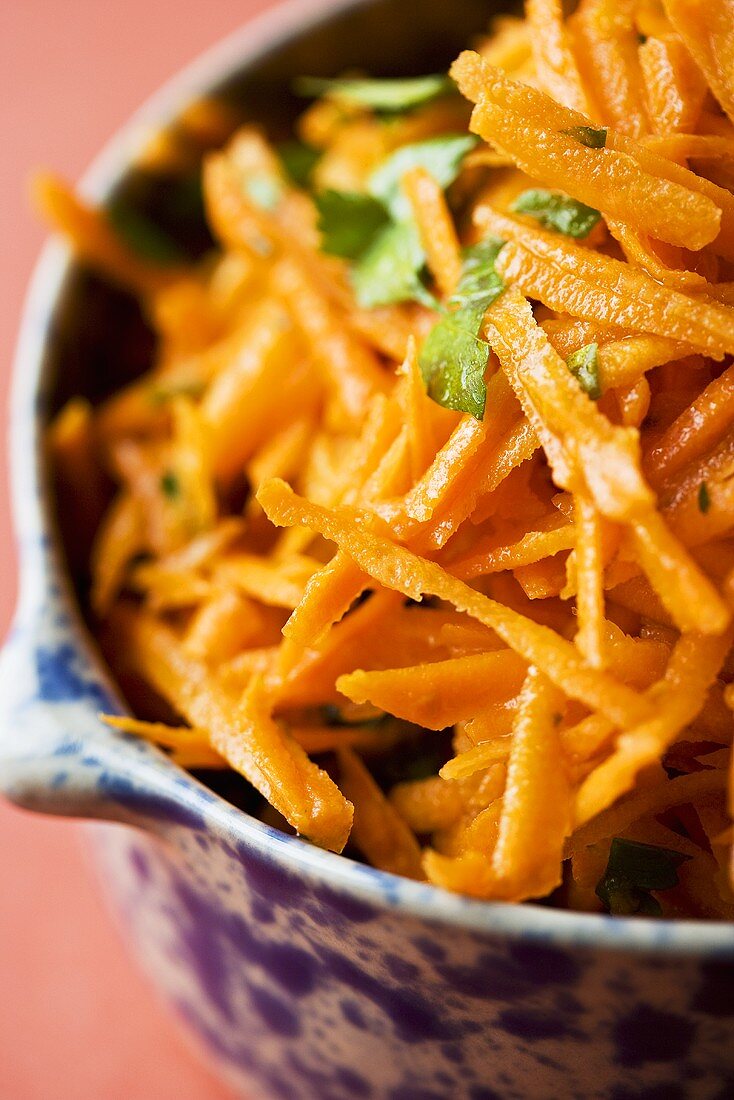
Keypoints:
(77, 1021)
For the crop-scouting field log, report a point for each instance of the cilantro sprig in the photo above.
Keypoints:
(632, 871)
(454, 357)
(555, 210)
(376, 229)
(386, 96)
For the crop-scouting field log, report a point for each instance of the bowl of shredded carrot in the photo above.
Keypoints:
(395, 486)
(432, 462)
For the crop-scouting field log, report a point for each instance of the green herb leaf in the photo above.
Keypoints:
(441, 156)
(584, 366)
(454, 357)
(144, 237)
(389, 270)
(170, 485)
(595, 137)
(388, 96)
(264, 190)
(632, 871)
(162, 391)
(557, 211)
(299, 161)
(704, 500)
(349, 222)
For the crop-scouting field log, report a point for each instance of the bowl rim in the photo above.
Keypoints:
(31, 496)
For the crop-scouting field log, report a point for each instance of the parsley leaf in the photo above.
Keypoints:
(144, 237)
(299, 161)
(584, 366)
(389, 271)
(557, 211)
(387, 96)
(441, 156)
(377, 229)
(348, 222)
(704, 500)
(594, 137)
(632, 871)
(454, 357)
(170, 485)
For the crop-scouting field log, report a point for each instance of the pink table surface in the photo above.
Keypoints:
(77, 1021)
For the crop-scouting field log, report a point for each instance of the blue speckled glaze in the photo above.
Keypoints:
(305, 976)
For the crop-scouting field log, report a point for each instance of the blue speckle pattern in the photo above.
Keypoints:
(309, 978)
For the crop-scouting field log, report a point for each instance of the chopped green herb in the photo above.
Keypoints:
(441, 156)
(143, 236)
(454, 357)
(170, 485)
(704, 500)
(349, 222)
(632, 871)
(299, 161)
(264, 190)
(387, 96)
(160, 392)
(557, 211)
(592, 136)
(584, 366)
(377, 229)
(389, 270)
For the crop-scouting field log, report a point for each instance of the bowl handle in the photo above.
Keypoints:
(56, 756)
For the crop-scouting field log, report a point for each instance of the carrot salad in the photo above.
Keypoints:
(422, 520)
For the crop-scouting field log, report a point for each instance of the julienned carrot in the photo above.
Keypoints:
(395, 567)
(243, 733)
(437, 230)
(675, 89)
(534, 129)
(603, 178)
(554, 59)
(527, 857)
(707, 30)
(607, 41)
(680, 695)
(441, 693)
(590, 285)
(585, 448)
(696, 429)
(378, 830)
(589, 562)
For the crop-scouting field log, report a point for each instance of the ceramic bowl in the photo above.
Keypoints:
(302, 974)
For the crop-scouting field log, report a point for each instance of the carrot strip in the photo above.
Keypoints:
(438, 694)
(244, 734)
(397, 568)
(707, 30)
(574, 280)
(608, 42)
(681, 694)
(675, 88)
(378, 831)
(590, 583)
(553, 55)
(536, 807)
(436, 228)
